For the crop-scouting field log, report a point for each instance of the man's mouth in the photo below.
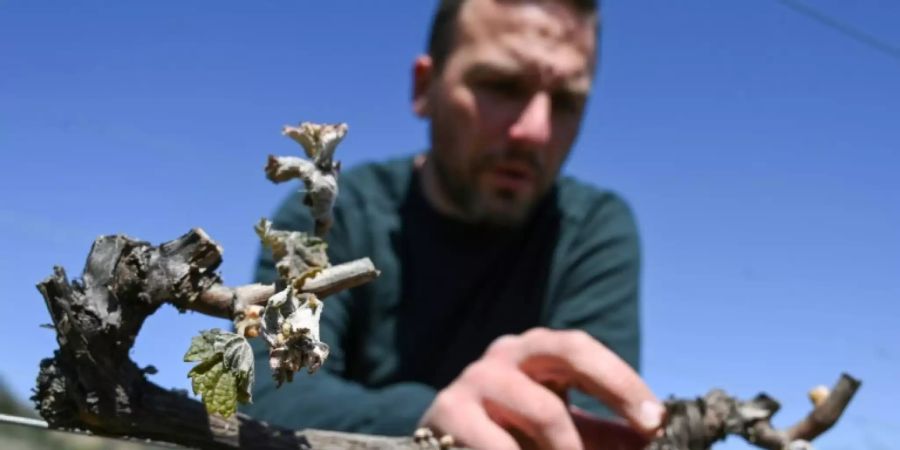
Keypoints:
(512, 176)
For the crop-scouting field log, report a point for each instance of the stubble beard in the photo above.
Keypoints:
(496, 208)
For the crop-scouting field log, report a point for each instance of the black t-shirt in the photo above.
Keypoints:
(463, 285)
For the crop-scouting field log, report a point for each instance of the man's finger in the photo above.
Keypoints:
(575, 358)
(515, 401)
(463, 417)
(606, 434)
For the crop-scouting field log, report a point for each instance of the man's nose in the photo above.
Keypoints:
(533, 125)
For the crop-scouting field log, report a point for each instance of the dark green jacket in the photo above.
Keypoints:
(444, 293)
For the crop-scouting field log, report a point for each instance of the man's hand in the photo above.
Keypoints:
(513, 397)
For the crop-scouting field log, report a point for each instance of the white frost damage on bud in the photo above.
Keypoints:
(318, 140)
(291, 328)
(321, 193)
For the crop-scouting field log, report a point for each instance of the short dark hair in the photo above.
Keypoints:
(443, 27)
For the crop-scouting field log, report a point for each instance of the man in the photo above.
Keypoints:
(502, 285)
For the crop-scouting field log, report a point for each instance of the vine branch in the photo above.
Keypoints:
(223, 301)
(698, 424)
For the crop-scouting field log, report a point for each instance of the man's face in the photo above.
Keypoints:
(506, 107)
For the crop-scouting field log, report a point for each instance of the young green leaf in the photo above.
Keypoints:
(201, 348)
(224, 375)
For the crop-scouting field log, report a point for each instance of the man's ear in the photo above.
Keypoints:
(423, 74)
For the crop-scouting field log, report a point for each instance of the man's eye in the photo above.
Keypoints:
(506, 88)
(566, 102)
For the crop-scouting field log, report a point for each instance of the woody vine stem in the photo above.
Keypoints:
(90, 382)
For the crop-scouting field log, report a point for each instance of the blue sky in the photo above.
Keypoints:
(759, 148)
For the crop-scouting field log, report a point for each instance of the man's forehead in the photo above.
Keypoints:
(547, 40)
(556, 22)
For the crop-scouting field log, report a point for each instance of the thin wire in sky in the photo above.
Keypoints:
(844, 28)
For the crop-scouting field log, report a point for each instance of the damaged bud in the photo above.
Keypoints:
(248, 321)
(319, 141)
(290, 325)
(297, 255)
(319, 174)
